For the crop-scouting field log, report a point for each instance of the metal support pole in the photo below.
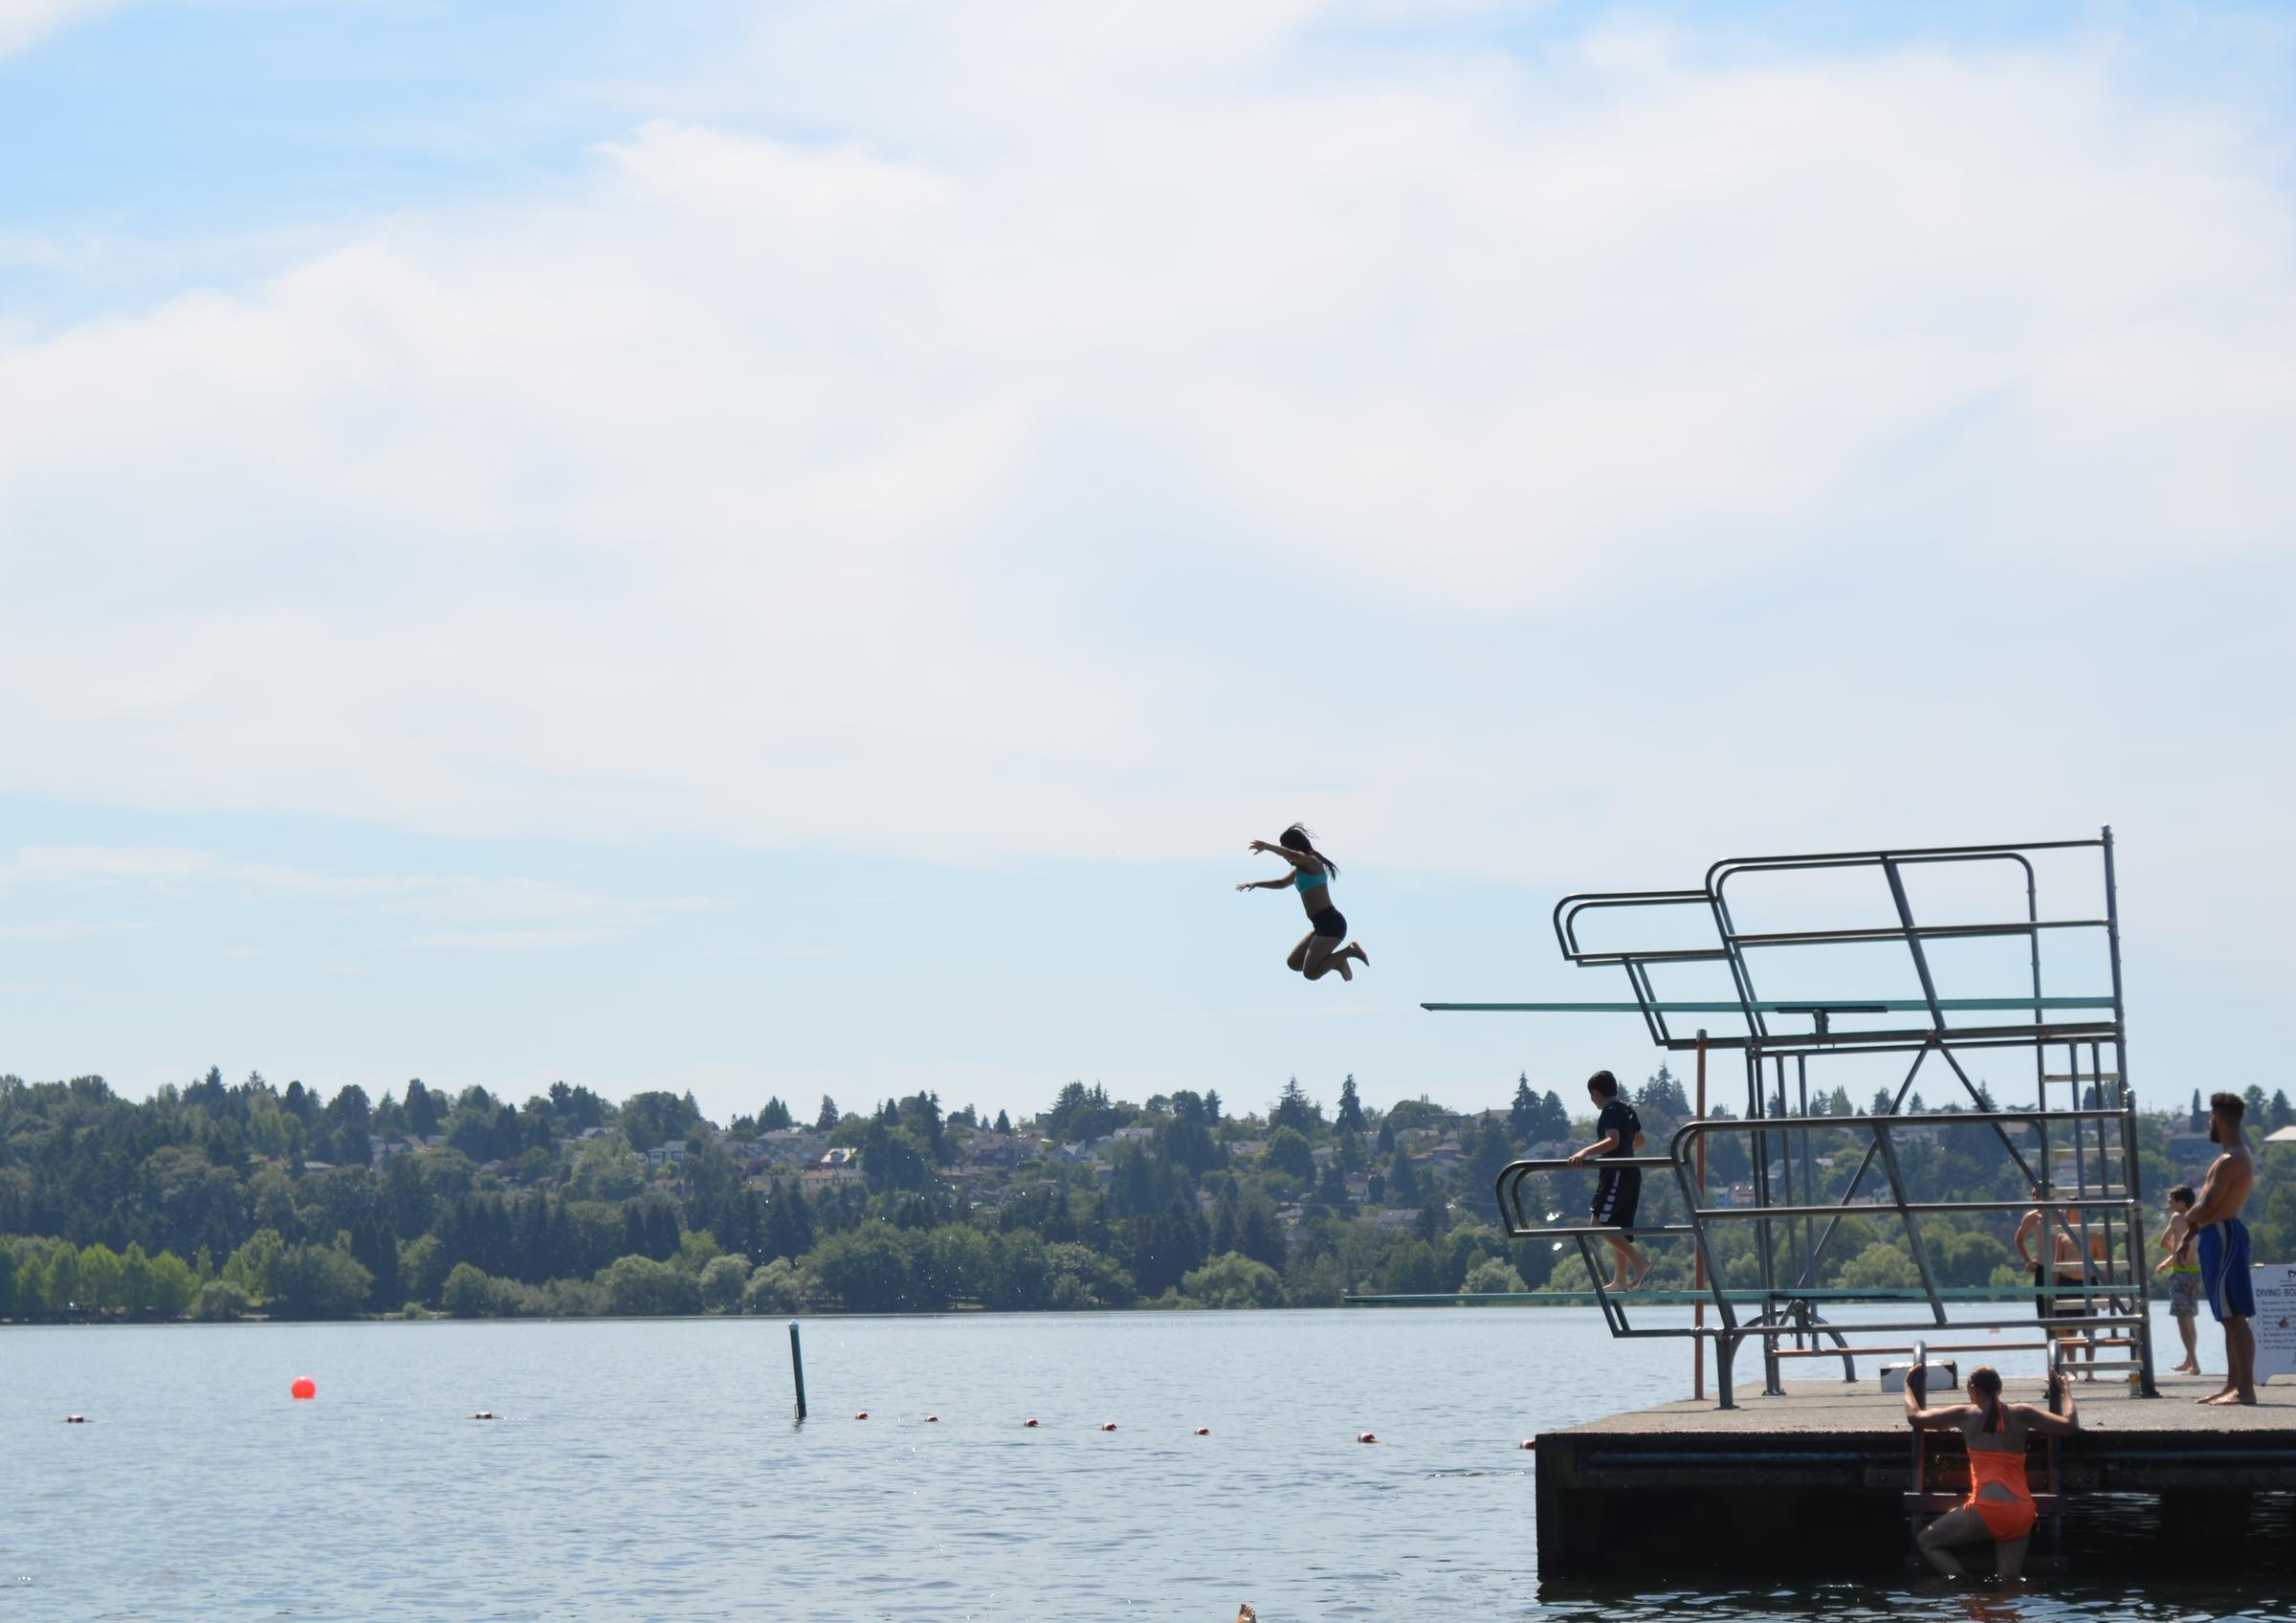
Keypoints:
(1698, 1253)
(797, 1368)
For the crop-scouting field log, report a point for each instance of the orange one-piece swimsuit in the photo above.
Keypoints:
(2005, 1518)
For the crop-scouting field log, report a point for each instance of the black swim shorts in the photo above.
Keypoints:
(1618, 1192)
(1329, 924)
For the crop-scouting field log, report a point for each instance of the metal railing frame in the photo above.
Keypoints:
(2100, 1209)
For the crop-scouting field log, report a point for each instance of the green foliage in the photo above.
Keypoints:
(1289, 1152)
(1295, 1110)
(220, 1300)
(469, 1293)
(1492, 1276)
(868, 1269)
(723, 1279)
(1235, 1280)
(1081, 1114)
(315, 1282)
(778, 1287)
(1883, 1265)
(1083, 1278)
(1410, 1113)
(570, 1225)
(639, 1287)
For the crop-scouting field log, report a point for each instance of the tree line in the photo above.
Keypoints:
(221, 1201)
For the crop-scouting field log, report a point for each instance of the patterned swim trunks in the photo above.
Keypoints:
(2184, 1292)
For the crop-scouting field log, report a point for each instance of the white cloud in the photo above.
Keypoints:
(24, 23)
(475, 910)
(499, 939)
(67, 863)
(841, 493)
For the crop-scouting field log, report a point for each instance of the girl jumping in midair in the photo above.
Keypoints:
(1319, 951)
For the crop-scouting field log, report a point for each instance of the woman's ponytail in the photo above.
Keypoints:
(1986, 1382)
(1297, 838)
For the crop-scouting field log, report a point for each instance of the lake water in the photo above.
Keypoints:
(652, 1470)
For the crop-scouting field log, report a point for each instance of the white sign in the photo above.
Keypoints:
(2275, 1320)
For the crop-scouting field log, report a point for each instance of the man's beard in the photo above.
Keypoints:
(2212, 1132)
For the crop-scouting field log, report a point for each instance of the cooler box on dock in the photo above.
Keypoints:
(1943, 1375)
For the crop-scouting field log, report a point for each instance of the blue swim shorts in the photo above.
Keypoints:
(2224, 1270)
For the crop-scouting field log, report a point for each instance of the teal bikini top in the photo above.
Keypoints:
(1303, 881)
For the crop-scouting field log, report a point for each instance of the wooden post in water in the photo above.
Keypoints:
(1697, 1251)
(797, 1368)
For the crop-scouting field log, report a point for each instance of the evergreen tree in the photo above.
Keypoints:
(1385, 1141)
(1662, 1096)
(1004, 1122)
(1524, 1115)
(2197, 1121)
(1260, 1236)
(1211, 1105)
(1350, 1119)
(1295, 1110)
(827, 1117)
(775, 1118)
(1490, 1155)
(2279, 1112)
(1402, 1180)
(788, 1226)
(1227, 1219)
(1554, 1118)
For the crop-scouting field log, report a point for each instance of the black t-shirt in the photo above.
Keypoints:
(1618, 1117)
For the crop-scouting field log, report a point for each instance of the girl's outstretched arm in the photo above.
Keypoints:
(1296, 859)
(1265, 884)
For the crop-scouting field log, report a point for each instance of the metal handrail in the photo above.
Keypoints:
(2105, 1202)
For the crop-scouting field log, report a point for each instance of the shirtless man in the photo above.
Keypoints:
(2223, 1246)
(2065, 1249)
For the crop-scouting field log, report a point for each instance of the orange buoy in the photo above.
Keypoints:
(1204, 1431)
(1030, 1421)
(1365, 1438)
(1108, 1424)
(302, 1387)
(931, 1419)
(1528, 1442)
(863, 1415)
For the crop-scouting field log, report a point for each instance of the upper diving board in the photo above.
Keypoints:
(1800, 1005)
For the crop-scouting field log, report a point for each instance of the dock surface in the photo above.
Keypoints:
(1817, 1477)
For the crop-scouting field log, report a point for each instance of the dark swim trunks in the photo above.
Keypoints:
(1330, 922)
(1618, 1192)
(2224, 1270)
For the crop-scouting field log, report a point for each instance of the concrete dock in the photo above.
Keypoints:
(1813, 1479)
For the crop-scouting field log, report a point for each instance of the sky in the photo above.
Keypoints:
(788, 550)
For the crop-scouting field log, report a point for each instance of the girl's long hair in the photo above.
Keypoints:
(1297, 838)
(1987, 1383)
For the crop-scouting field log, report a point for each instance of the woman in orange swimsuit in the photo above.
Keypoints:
(1999, 1505)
